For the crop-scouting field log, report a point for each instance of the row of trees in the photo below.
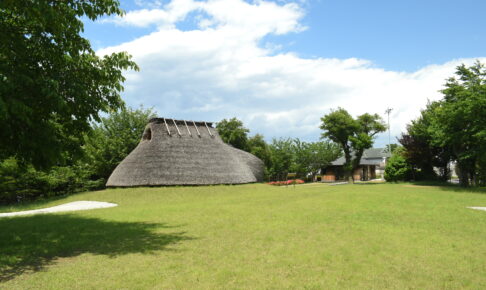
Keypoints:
(109, 141)
(449, 130)
(342, 134)
(283, 155)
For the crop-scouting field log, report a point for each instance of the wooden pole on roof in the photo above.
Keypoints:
(167, 127)
(178, 132)
(187, 127)
(197, 130)
(209, 131)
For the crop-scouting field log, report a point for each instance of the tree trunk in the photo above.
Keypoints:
(355, 165)
(463, 175)
(474, 178)
(350, 178)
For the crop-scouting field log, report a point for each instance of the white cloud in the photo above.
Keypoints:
(261, 18)
(222, 69)
(163, 17)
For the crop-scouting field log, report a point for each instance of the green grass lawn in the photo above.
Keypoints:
(253, 236)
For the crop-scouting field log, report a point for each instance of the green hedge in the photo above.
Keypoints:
(22, 183)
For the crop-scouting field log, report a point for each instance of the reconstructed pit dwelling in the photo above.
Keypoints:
(179, 152)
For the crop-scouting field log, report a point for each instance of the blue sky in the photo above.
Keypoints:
(279, 66)
(397, 35)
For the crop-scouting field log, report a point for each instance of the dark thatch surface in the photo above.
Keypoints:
(194, 158)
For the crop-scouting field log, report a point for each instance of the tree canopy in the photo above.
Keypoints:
(311, 157)
(353, 135)
(458, 121)
(52, 84)
(105, 146)
(282, 156)
(420, 150)
(397, 168)
(305, 159)
(451, 129)
(113, 139)
(233, 132)
(258, 147)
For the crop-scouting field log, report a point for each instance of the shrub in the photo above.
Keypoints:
(22, 183)
(397, 168)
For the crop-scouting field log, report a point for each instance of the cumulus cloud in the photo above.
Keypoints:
(222, 69)
(163, 17)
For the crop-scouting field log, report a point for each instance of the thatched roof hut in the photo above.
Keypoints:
(178, 152)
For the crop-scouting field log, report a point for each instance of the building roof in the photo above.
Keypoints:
(372, 156)
(181, 152)
(376, 153)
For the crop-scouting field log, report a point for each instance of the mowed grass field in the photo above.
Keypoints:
(315, 236)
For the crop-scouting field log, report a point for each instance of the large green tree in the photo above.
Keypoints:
(459, 122)
(113, 139)
(258, 147)
(52, 84)
(281, 156)
(353, 135)
(233, 132)
(421, 152)
(311, 157)
(300, 157)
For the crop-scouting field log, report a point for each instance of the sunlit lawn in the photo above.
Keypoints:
(253, 236)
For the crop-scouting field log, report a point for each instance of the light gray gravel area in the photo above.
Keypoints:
(477, 208)
(339, 183)
(71, 206)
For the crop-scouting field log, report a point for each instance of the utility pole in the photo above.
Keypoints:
(388, 111)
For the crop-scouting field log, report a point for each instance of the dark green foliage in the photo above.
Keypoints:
(397, 168)
(305, 159)
(353, 135)
(281, 154)
(52, 84)
(234, 133)
(258, 147)
(23, 183)
(392, 146)
(311, 157)
(481, 170)
(452, 129)
(109, 142)
(113, 139)
(459, 121)
(420, 150)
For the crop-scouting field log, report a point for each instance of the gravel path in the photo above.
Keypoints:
(71, 206)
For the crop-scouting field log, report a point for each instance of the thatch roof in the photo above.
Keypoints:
(178, 152)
